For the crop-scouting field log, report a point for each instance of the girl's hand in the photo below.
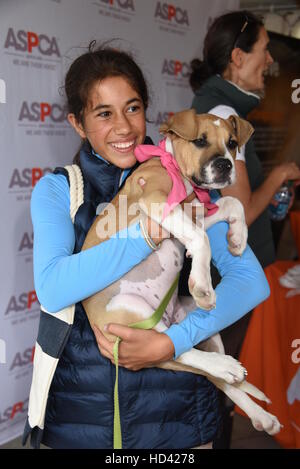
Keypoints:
(138, 349)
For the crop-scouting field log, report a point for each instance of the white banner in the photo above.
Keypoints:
(38, 41)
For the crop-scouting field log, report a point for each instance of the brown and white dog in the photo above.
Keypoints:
(204, 147)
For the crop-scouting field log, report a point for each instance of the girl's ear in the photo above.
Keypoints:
(78, 127)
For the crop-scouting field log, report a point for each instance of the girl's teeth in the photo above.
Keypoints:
(122, 145)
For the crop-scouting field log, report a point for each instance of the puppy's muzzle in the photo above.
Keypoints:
(218, 170)
(223, 166)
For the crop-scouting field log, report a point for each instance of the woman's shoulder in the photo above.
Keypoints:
(223, 111)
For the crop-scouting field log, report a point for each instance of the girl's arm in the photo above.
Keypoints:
(61, 277)
(243, 286)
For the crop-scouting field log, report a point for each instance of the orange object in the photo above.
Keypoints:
(271, 354)
(295, 226)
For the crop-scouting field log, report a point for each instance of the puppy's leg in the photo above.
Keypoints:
(261, 420)
(215, 344)
(232, 211)
(252, 391)
(220, 366)
(197, 244)
(212, 344)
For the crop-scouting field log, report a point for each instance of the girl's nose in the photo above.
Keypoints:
(122, 125)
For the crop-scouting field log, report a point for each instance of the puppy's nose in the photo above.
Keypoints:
(223, 165)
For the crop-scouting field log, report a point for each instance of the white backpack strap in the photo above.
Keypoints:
(76, 189)
(46, 357)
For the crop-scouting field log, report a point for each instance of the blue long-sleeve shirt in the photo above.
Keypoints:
(63, 278)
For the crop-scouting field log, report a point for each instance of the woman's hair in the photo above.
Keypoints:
(97, 64)
(235, 29)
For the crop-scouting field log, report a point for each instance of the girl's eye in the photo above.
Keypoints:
(104, 114)
(133, 108)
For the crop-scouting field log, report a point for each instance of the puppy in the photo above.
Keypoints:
(204, 148)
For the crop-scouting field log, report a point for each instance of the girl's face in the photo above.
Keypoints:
(114, 121)
(255, 64)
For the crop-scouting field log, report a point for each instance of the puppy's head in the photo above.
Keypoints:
(205, 146)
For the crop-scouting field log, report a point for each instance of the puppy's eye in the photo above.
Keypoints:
(200, 142)
(232, 144)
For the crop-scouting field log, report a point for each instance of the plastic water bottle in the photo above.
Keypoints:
(283, 197)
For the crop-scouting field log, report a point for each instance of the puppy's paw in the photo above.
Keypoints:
(227, 368)
(237, 236)
(207, 302)
(264, 421)
(204, 295)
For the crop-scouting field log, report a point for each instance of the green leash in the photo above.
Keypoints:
(146, 324)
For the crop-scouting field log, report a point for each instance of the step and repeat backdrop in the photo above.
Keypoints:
(38, 41)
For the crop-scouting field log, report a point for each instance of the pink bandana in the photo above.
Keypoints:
(178, 191)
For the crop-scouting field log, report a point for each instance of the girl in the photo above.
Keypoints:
(108, 98)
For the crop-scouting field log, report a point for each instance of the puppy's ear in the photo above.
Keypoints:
(183, 124)
(243, 129)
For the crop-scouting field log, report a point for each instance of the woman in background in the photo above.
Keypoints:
(228, 81)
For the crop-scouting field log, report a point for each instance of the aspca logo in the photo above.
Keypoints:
(26, 242)
(2, 91)
(25, 301)
(22, 359)
(162, 117)
(19, 408)
(122, 4)
(168, 12)
(29, 41)
(175, 68)
(42, 112)
(27, 177)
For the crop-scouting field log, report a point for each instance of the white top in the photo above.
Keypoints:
(224, 112)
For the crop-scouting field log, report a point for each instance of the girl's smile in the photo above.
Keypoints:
(114, 121)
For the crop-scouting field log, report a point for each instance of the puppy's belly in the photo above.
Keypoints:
(138, 293)
(118, 316)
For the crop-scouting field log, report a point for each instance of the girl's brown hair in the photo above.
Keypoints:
(97, 64)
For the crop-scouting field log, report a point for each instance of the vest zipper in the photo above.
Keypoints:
(120, 180)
